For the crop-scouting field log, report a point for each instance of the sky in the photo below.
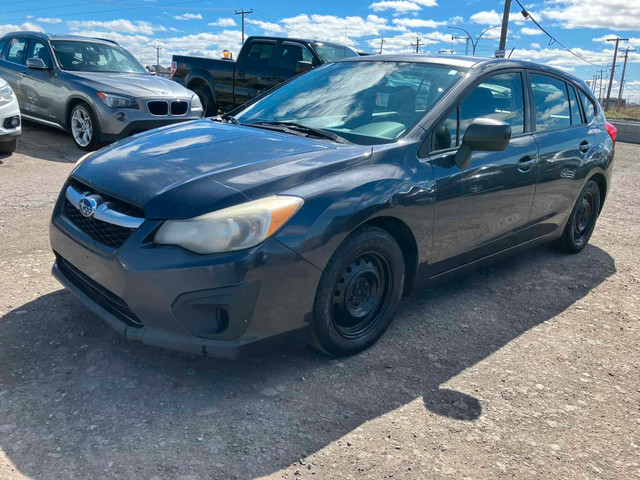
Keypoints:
(206, 27)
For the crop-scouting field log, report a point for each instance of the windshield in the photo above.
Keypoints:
(95, 57)
(332, 53)
(364, 102)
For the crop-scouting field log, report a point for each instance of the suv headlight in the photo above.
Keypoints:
(117, 101)
(196, 104)
(6, 95)
(234, 228)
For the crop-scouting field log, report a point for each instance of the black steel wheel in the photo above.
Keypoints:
(582, 221)
(208, 104)
(358, 293)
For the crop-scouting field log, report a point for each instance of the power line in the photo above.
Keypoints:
(526, 14)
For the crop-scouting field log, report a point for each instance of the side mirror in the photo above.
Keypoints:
(37, 64)
(303, 66)
(483, 134)
(151, 69)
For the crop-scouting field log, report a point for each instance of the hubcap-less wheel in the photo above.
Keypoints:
(361, 295)
(81, 127)
(583, 217)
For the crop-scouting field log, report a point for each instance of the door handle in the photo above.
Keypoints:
(526, 163)
(585, 146)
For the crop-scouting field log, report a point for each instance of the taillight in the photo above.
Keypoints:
(174, 67)
(612, 131)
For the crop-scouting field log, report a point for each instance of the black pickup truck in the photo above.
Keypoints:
(263, 63)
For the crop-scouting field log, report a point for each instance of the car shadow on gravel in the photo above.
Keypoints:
(77, 400)
(47, 143)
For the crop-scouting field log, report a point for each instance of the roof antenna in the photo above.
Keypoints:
(511, 53)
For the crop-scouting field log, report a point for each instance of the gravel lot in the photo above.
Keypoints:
(527, 369)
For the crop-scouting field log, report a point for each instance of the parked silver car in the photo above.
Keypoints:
(91, 87)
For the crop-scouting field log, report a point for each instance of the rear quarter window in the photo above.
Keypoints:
(588, 106)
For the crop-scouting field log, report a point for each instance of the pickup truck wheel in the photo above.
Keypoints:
(84, 128)
(208, 105)
(358, 294)
(9, 147)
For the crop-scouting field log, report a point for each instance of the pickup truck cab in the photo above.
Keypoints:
(263, 63)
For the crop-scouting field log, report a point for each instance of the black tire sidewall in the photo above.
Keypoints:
(95, 128)
(9, 147)
(365, 240)
(208, 104)
(569, 242)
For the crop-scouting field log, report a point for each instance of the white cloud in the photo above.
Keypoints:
(268, 27)
(417, 23)
(8, 27)
(487, 18)
(531, 31)
(120, 25)
(338, 29)
(619, 14)
(223, 22)
(402, 6)
(189, 16)
(535, 45)
(48, 20)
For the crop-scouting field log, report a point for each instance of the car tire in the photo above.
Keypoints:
(9, 147)
(582, 220)
(84, 127)
(358, 294)
(208, 104)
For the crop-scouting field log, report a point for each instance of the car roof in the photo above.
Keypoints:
(465, 61)
(55, 36)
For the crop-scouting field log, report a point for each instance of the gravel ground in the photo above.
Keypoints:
(526, 369)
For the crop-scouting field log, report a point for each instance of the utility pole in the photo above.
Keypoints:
(381, 44)
(600, 72)
(613, 68)
(244, 13)
(624, 70)
(417, 44)
(157, 47)
(503, 33)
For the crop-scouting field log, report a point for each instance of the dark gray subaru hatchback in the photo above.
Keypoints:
(305, 215)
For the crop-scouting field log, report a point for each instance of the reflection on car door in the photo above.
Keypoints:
(290, 54)
(38, 86)
(564, 139)
(253, 71)
(484, 208)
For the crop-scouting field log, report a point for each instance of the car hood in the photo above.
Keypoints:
(197, 167)
(131, 84)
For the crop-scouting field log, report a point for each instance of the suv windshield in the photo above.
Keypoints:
(81, 56)
(364, 102)
(332, 53)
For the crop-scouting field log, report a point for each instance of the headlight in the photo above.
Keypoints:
(6, 95)
(196, 104)
(234, 228)
(116, 101)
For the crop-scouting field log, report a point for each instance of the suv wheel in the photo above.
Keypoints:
(84, 127)
(359, 293)
(9, 147)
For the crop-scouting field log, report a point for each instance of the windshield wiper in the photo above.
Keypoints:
(226, 118)
(298, 127)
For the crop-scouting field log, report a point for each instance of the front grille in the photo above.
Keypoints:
(158, 107)
(179, 107)
(108, 300)
(102, 232)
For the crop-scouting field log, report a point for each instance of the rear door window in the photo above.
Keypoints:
(551, 102)
(588, 106)
(576, 115)
(16, 52)
(260, 53)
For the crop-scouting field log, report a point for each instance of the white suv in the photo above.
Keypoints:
(9, 119)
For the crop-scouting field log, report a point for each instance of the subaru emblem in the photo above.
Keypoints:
(87, 206)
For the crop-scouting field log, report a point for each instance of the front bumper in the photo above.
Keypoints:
(7, 112)
(171, 298)
(113, 128)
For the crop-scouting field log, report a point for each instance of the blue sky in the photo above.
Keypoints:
(206, 28)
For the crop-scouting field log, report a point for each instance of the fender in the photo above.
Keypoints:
(204, 76)
(72, 99)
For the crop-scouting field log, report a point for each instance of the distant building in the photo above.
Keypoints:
(161, 71)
